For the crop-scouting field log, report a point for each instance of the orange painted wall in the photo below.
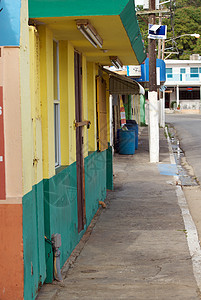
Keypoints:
(11, 258)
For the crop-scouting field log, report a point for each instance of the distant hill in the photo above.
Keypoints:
(185, 19)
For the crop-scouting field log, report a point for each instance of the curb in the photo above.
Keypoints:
(191, 230)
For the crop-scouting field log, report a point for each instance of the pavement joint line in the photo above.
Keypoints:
(192, 235)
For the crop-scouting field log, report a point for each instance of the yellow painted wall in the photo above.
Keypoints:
(47, 100)
(106, 77)
(84, 104)
(64, 109)
(97, 69)
(67, 103)
(27, 150)
(37, 169)
(71, 103)
(91, 95)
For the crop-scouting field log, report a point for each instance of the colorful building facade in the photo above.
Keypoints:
(56, 159)
(183, 82)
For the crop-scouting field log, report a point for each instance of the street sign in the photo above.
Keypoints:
(134, 71)
(163, 88)
(2, 155)
(157, 32)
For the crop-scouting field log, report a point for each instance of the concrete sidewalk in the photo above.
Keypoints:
(138, 247)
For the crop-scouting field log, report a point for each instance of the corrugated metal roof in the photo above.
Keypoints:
(123, 85)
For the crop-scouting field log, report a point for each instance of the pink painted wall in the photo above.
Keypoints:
(12, 121)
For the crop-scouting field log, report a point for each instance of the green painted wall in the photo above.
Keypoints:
(95, 183)
(109, 169)
(126, 106)
(33, 241)
(61, 203)
(51, 207)
(61, 211)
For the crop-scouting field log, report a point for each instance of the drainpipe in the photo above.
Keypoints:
(56, 244)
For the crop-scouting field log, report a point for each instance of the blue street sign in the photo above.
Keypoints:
(157, 31)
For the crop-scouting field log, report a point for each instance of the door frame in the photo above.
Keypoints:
(79, 143)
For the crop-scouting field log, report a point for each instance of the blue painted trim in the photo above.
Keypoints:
(168, 169)
(10, 22)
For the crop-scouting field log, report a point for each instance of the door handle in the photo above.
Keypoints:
(83, 123)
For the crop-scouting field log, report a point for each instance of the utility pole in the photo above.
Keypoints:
(159, 41)
(152, 95)
(161, 95)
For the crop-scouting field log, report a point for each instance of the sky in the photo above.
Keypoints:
(139, 2)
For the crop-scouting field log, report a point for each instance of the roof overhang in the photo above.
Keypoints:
(122, 85)
(114, 20)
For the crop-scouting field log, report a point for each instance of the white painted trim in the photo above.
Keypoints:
(58, 163)
(192, 235)
(57, 101)
(182, 62)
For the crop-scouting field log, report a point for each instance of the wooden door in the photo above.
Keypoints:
(101, 114)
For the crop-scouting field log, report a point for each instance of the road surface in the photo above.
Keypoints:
(188, 129)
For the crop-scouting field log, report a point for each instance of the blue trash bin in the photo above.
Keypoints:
(132, 125)
(127, 142)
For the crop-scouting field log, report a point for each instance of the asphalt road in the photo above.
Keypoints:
(188, 129)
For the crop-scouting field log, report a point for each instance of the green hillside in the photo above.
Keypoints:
(185, 18)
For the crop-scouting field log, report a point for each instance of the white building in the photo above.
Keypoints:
(183, 82)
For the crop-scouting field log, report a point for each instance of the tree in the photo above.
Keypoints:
(185, 19)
